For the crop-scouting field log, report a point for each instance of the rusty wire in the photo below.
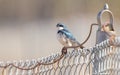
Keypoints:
(73, 63)
(64, 51)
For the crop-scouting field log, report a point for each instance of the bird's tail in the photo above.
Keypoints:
(80, 46)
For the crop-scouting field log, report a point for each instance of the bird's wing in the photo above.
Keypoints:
(69, 35)
(71, 40)
(66, 37)
(62, 37)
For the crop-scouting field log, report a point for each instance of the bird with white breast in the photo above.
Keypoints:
(66, 38)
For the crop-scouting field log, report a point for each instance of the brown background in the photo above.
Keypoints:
(28, 27)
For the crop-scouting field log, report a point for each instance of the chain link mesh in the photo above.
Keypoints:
(102, 59)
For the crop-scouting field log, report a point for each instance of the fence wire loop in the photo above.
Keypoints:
(111, 18)
(73, 63)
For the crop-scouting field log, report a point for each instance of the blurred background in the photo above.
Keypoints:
(28, 27)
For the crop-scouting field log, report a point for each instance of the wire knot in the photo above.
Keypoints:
(64, 50)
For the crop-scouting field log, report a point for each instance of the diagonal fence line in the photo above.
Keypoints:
(102, 59)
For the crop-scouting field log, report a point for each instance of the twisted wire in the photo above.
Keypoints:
(72, 63)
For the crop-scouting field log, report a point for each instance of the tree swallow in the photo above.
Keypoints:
(65, 37)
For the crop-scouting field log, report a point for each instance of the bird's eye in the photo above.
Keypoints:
(61, 25)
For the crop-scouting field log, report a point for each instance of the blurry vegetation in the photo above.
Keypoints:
(33, 9)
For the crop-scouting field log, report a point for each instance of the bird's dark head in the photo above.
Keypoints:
(60, 26)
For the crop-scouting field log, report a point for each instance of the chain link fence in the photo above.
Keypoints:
(102, 59)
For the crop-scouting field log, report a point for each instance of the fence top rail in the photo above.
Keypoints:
(52, 58)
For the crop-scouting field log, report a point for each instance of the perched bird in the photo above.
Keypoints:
(109, 31)
(65, 37)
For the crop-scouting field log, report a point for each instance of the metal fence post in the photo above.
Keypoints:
(101, 35)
